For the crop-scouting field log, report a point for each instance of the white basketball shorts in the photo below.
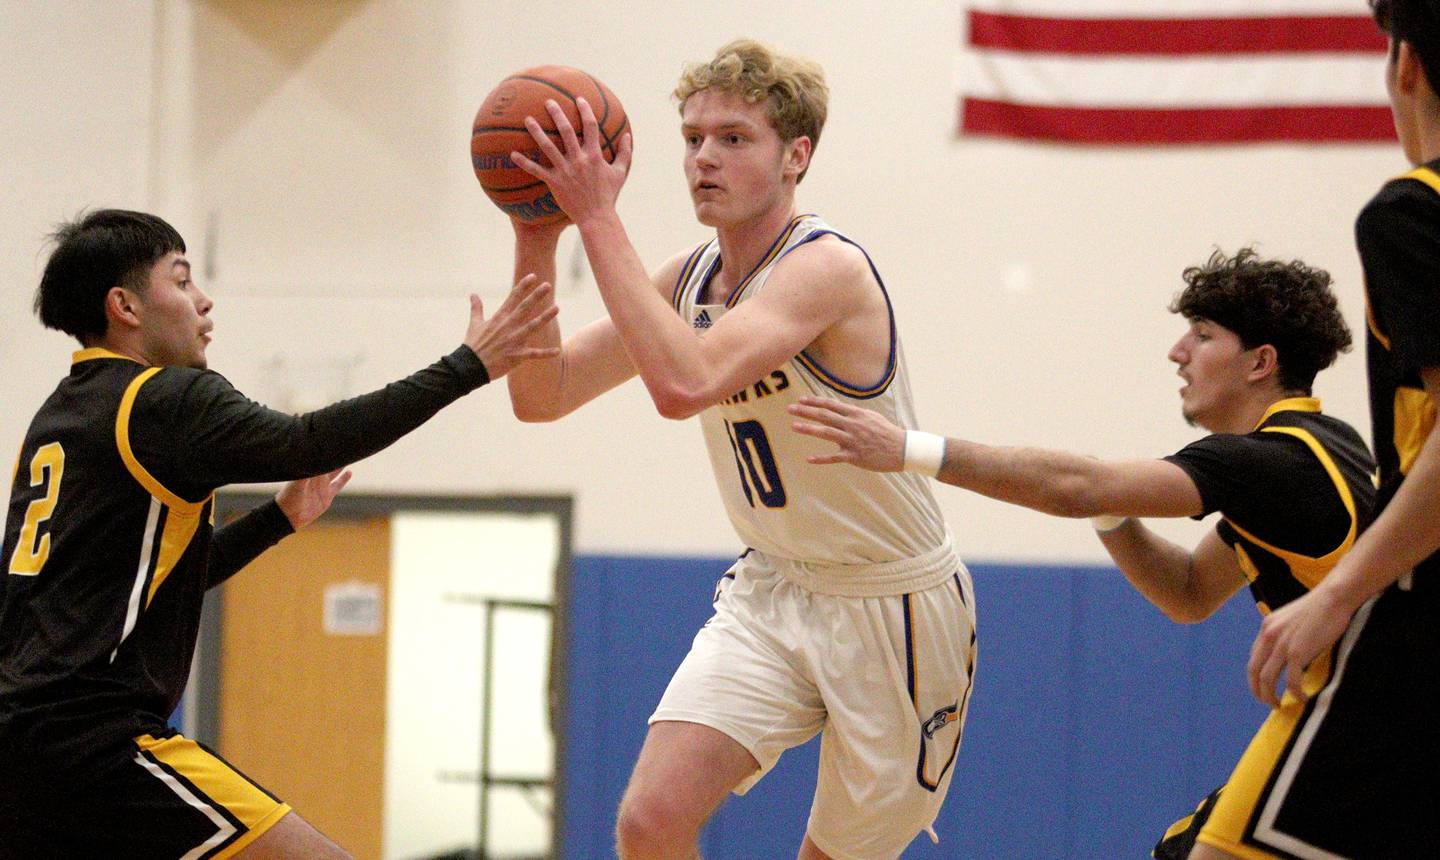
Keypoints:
(886, 680)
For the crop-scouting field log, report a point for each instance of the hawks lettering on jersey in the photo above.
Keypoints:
(777, 501)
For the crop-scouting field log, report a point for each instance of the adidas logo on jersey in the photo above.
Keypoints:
(702, 320)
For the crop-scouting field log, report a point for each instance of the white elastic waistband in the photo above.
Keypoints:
(872, 580)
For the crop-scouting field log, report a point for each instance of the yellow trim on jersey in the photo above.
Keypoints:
(1414, 419)
(1247, 566)
(1307, 569)
(95, 352)
(1289, 404)
(1245, 790)
(122, 440)
(47, 468)
(1425, 175)
(1374, 326)
(179, 530)
(255, 832)
(1183, 824)
(1428, 177)
(220, 785)
(183, 517)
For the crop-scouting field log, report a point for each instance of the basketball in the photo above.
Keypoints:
(499, 129)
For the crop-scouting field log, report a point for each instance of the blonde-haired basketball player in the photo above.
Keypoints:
(850, 613)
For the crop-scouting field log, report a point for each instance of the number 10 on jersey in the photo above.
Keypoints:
(758, 473)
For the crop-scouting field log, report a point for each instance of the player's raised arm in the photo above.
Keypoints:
(586, 365)
(811, 287)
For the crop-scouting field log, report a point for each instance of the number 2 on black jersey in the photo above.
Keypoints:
(750, 443)
(46, 468)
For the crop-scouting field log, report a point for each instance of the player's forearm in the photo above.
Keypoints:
(1160, 570)
(663, 349)
(1052, 482)
(1405, 534)
(536, 386)
(239, 543)
(230, 439)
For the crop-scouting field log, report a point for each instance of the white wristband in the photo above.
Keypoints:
(924, 452)
(1107, 523)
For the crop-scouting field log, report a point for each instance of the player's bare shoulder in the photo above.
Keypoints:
(833, 280)
(831, 270)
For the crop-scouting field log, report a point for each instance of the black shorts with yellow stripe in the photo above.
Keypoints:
(163, 797)
(1352, 772)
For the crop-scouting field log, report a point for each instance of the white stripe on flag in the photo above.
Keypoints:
(1114, 81)
(1141, 72)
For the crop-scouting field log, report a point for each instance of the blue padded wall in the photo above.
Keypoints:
(1095, 721)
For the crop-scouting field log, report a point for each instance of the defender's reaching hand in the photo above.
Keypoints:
(866, 438)
(303, 501)
(501, 342)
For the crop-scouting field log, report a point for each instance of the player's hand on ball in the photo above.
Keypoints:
(500, 129)
(865, 438)
(583, 183)
(547, 231)
(502, 341)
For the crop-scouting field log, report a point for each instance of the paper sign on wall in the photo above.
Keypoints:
(353, 609)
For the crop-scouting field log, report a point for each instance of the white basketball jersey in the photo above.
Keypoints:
(841, 529)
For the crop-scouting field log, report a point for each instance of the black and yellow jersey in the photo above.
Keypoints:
(108, 545)
(1295, 493)
(1398, 236)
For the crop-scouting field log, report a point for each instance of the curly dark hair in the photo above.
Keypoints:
(1416, 22)
(1287, 305)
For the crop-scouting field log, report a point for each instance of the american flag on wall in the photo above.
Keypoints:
(1173, 71)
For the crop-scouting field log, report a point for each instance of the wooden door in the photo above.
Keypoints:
(302, 711)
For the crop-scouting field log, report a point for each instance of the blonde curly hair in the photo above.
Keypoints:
(794, 86)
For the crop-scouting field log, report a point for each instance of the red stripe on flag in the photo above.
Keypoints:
(1342, 34)
(1177, 125)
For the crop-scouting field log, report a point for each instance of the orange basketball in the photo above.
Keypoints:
(499, 129)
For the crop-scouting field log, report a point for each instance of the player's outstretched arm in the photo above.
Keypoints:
(1405, 534)
(1052, 482)
(230, 439)
(1186, 586)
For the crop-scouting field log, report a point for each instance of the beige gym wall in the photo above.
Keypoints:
(315, 157)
